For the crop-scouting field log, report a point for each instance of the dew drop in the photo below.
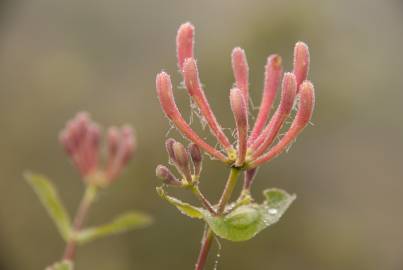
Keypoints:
(272, 211)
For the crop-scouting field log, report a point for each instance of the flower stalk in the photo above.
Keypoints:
(82, 212)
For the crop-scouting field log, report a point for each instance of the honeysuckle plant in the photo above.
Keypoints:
(242, 218)
(81, 141)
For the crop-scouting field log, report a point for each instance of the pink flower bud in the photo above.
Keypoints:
(80, 139)
(166, 176)
(197, 158)
(128, 142)
(302, 118)
(240, 112)
(168, 146)
(289, 89)
(301, 62)
(184, 43)
(240, 69)
(167, 101)
(112, 142)
(182, 161)
(175, 153)
(273, 73)
(121, 145)
(192, 82)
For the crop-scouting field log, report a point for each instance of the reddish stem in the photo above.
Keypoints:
(205, 248)
(208, 236)
(70, 250)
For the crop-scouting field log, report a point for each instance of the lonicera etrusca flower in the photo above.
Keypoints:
(81, 141)
(255, 144)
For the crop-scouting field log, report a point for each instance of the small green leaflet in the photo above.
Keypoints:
(246, 221)
(64, 265)
(123, 223)
(185, 208)
(49, 198)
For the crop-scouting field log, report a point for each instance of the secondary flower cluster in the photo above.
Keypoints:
(188, 163)
(256, 146)
(81, 141)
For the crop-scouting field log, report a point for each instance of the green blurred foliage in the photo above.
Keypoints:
(58, 57)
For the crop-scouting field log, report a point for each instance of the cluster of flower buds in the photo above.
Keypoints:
(188, 163)
(81, 141)
(256, 146)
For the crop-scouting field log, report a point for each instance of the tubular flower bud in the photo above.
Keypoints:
(182, 161)
(184, 43)
(240, 69)
(166, 176)
(165, 95)
(240, 112)
(301, 62)
(197, 158)
(192, 82)
(302, 118)
(289, 89)
(273, 73)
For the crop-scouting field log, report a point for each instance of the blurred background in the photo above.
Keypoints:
(60, 57)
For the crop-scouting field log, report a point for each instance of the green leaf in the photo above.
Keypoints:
(185, 208)
(50, 200)
(64, 265)
(123, 223)
(246, 221)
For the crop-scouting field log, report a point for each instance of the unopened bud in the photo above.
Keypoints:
(166, 176)
(240, 112)
(240, 69)
(306, 104)
(169, 147)
(197, 158)
(301, 62)
(182, 160)
(128, 140)
(289, 90)
(184, 43)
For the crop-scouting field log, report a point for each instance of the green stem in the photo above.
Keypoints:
(208, 235)
(229, 188)
(196, 191)
(86, 201)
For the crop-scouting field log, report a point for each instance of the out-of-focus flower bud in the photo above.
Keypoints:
(121, 145)
(80, 139)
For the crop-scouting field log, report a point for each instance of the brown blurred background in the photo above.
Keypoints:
(59, 57)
